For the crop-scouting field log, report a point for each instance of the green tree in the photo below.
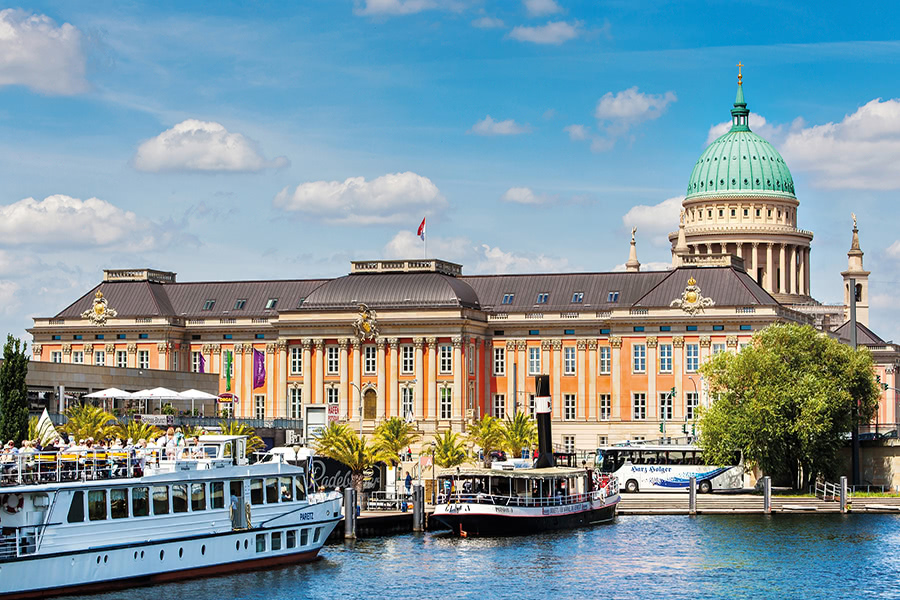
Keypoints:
(137, 430)
(519, 432)
(329, 435)
(13, 391)
(487, 434)
(448, 450)
(89, 421)
(254, 442)
(787, 402)
(357, 453)
(395, 435)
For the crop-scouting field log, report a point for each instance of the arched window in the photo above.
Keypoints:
(859, 292)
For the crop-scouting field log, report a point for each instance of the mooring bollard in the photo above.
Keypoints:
(349, 513)
(692, 496)
(843, 494)
(767, 494)
(418, 508)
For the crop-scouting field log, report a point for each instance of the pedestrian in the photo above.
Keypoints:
(408, 482)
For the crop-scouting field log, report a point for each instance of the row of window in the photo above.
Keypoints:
(121, 358)
(544, 297)
(100, 336)
(241, 303)
(273, 541)
(639, 406)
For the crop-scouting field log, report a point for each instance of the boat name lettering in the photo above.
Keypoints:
(504, 510)
(305, 516)
(560, 510)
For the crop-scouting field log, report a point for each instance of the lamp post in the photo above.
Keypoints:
(697, 396)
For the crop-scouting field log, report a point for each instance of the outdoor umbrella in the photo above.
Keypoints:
(108, 394)
(196, 395)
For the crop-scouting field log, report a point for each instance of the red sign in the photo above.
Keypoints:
(333, 413)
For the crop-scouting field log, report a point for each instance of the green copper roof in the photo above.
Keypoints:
(740, 162)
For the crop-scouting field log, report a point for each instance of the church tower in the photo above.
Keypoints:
(856, 271)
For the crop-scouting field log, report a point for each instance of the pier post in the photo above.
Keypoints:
(767, 494)
(843, 494)
(692, 496)
(418, 508)
(349, 513)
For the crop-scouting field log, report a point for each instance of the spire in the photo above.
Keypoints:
(681, 247)
(739, 114)
(855, 255)
(633, 265)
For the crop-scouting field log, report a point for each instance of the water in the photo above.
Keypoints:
(753, 556)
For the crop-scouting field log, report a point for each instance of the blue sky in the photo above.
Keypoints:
(268, 140)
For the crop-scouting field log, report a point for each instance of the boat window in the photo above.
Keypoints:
(140, 501)
(118, 503)
(276, 540)
(300, 488)
(217, 494)
(160, 500)
(210, 451)
(76, 509)
(271, 490)
(256, 491)
(287, 489)
(292, 539)
(179, 498)
(227, 450)
(260, 542)
(97, 505)
(304, 537)
(317, 535)
(198, 496)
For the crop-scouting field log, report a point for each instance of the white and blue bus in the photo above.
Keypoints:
(667, 468)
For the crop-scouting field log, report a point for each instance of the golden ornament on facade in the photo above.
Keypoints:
(100, 311)
(366, 324)
(692, 301)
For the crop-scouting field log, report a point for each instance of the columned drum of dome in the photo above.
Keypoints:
(740, 200)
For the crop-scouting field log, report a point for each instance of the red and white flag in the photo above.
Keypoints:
(421, 232)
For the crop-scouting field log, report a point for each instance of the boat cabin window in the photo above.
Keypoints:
(300, 489)
(271, 490)
(76, 509)
(227, 451)
(287, 489)
(210, 451)
(292, 538)
(160, 500)
(304, 537)
(276, 540)
(140, 501)
(198, 496)
(118, 503)
(256, 491)
(97, 505)
(217, 494)
(179, 498)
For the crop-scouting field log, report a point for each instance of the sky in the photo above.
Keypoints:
(256, 140)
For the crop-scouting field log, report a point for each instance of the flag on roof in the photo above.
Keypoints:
(421, 232)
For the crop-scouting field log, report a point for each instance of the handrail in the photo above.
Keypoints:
(828, 491)
(611, 488)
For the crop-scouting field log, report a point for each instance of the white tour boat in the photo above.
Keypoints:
(80, 521)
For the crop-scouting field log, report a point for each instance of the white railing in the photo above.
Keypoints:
(610, 488)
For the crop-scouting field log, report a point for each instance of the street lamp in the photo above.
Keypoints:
(359, 407)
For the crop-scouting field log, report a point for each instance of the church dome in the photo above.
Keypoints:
(740, 163)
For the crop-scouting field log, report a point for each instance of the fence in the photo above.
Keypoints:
(206, 422)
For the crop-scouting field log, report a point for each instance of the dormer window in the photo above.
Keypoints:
(507, 298)
(270, 303)
(208, 305)
(543, 297)
(578, 297)
(612, 297)
(300, 302)
(240, 303)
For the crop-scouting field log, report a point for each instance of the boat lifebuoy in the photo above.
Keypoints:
(12, 503)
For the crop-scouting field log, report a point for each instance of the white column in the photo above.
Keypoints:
(556, 380)
(770, 269)
(652, 396)
(756, 262)
(782, 265)
(458, 375)
(793, 288)
(379, 365)
(271, 402)
(306, 394)
(132, 354)
(320, 371)
(420, 374)
(343, 390)
(678, 372)
(432, 378)
(545, 357)
(581, 397)
(110, 350)
(615, 368)
(806, 271)
(394, 385)
(281, 400)
(510, 378)
(592, 380)
(356, 391)
(522, 361)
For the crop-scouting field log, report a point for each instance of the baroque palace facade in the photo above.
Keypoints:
(419, 340)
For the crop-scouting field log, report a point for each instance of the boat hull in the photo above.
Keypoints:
(488, 520)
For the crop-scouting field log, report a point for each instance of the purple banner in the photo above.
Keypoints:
(259, 368)
(202, 364)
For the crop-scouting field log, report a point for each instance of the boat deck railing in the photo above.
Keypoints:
(610, 488)
(21, 541)
(33, 468)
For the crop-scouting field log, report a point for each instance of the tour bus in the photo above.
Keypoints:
(667, 468)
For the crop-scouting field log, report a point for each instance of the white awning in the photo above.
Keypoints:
(109, 393)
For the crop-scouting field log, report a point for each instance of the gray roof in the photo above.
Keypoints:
(724, 285)
(864, 335)
(393, 290)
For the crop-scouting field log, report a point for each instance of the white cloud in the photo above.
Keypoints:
(650, 266)
(549, 113)
(40, 55)
(488, 23)
(9, 301)
(406, 244)
(657, 220)
(194, 145)
(540, 8)
(403, 7)
(576, 132)
(492, 259)
(524, 195)
(893, 250)
(554, 32)
(65, 221)
(391, 198)
(771, 132)
(619, 112)
(488, 126)
(883, 301)
(859, 152)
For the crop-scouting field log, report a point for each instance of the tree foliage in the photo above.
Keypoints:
(137, 430)
(787, 401)
(447, 449)
(254, 442)
(356, 452)
(328, 436)
(13, 391)
(89, 421)
(487, 434)
(519, 432)
(395, 435)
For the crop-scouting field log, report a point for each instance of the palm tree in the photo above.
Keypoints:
(136, 430)
(89, 422)
(487, 434)
(329, 435)
(519, 432)
(395, 435)
(447, 449)
(354, 451)
(193, 431)
(254, 442)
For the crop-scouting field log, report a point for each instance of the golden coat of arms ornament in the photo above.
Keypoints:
(100, 311)
(692, 301)
(366, 324)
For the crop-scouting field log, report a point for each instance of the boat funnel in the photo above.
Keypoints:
(542, 403)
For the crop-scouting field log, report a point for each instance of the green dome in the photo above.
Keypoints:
(740, 163)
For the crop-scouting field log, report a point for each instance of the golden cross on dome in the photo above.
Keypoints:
(740, 76)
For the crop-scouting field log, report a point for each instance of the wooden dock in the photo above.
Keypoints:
(675, 503)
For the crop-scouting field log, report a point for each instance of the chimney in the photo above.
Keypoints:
(542, 403)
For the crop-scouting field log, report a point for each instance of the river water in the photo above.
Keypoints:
(753, 556)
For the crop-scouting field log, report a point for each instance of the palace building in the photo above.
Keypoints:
(420, 340)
